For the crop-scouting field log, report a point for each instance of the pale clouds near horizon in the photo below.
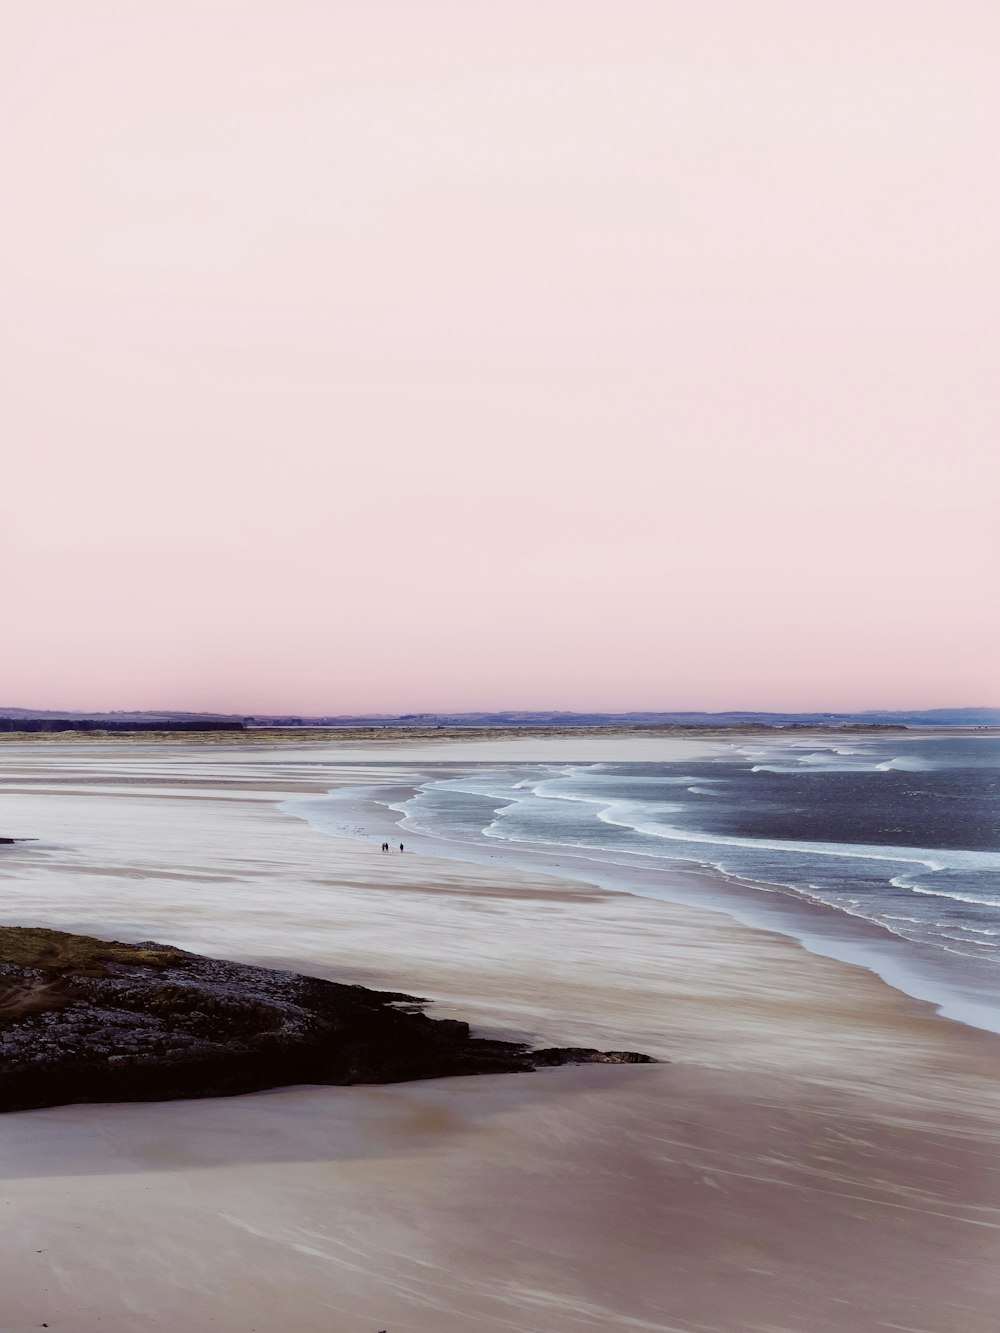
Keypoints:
(390, 356)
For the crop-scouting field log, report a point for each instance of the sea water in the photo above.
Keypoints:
(896, 831)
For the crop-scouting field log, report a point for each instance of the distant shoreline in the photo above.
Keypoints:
(393, 735)
(657, 722)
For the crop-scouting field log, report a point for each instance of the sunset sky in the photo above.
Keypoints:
(362, 355)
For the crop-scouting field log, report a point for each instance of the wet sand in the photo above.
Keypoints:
(817, 1152)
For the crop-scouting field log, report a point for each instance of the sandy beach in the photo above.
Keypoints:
(816, 1151)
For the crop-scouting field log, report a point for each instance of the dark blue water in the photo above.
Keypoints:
(903, 832)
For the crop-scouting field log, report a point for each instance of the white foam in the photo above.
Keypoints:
(957, 897)
(906, 764)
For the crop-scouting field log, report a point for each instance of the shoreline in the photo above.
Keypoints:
(816, 1151)
(821, 929)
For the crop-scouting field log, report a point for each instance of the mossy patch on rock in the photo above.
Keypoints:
(58, 952)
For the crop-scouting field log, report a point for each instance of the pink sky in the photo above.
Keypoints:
(363, 354)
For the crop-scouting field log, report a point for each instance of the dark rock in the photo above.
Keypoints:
(86, 1021)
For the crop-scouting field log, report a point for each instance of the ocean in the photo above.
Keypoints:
(897, 834)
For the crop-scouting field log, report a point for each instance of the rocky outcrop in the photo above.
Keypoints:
(82, 1020)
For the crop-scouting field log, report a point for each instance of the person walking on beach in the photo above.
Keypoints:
(400, 846)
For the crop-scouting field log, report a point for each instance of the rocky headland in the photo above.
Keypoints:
(85, 1020)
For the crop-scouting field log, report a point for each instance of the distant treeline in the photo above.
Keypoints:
(113, 724)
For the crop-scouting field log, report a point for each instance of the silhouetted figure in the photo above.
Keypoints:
(400, 846)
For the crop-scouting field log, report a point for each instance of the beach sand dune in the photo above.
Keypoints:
(818, 1152)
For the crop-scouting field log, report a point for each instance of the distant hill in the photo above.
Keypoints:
(937, 717)
(28, 719)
